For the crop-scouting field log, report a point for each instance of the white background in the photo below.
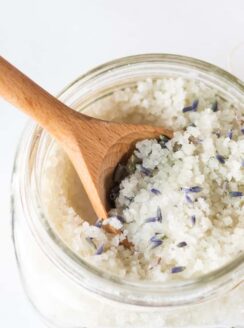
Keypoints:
(54, 41)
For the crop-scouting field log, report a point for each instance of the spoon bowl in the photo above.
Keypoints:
(95, 147)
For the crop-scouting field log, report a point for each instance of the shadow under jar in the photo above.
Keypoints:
(67, 291)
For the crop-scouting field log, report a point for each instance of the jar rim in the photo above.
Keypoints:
(157, 294)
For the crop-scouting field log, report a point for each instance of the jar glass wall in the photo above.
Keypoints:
(67, 291)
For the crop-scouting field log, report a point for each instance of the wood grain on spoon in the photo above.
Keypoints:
(94, 146)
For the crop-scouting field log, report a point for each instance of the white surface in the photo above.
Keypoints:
(54, 41)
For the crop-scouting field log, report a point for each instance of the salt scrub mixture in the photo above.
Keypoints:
(180, 201)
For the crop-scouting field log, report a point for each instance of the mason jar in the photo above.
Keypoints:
(67, 291)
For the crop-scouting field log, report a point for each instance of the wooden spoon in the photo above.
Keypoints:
(94, 146)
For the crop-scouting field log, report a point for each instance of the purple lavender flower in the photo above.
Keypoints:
(155, 241)
(100, 250)
(195, 104)
(177, 269)
(192, 108)
(236, 193)
(120, 218)
(188, 198)
(152, 219)
(157, 218)
(146, 171)
(242, 130)
(182, 244)
(99, 223)
(193, 219)
(194, 189)
(187, 109)
(156, 191)
(215, 106)
(155, 237)
(220, 158)
(230, 134)
(159, 214)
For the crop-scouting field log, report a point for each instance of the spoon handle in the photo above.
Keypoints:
(48, 111)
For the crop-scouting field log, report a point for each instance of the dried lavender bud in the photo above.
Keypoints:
(220, 158)
(194, 189)
(152, 219)
(242, 130)
(195, 104)
(155, 237)
(157, 218)
(192, 108)
(188, 198)
(146, 171)
(215, 106)
(193, 219)
(155, 241)
(187, 109)
(156, 191)
(120, 218)
(159, 214)
(99, 223)
(236, 193)
(177, 269)
(230, 134)
(182, 244)
(100, 250)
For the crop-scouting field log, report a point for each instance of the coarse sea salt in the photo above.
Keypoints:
(181, 200)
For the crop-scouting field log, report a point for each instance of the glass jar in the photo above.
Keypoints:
(68, 292)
